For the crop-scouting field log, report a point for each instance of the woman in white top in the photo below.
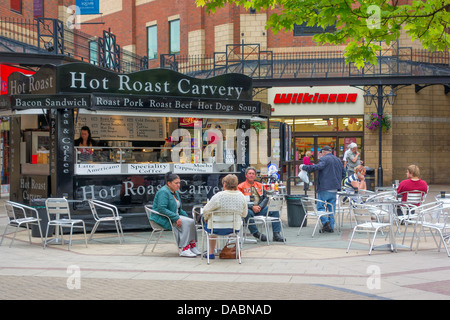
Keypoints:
(227, 202)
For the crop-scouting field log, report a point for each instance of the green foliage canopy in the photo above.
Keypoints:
(360, 25)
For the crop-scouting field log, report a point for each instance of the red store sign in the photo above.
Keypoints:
(298, 98)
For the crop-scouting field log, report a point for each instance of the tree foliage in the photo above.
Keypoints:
(360, 25)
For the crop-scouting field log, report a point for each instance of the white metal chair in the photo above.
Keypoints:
(436, 221)
(414, 197)
(197, 216)
(225, 222)
(98, 208)
(17, 217)
(58, 207)
(156, 228)
(365, 223)
(310, 207)
(275, 204)
(412, 214)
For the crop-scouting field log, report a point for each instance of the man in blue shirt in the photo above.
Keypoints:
(329, 180)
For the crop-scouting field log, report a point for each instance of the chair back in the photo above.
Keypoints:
(16, 210)
(275, 204)
(414, 197)
(196, 214)
(225, 222)
(149, 211)
(57, 206)
(436, 215)
(365, 214)
(310, 206)
(97, 205)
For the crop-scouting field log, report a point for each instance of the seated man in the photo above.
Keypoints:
(258, 205)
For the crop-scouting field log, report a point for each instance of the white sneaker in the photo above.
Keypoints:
(194, 250)
(187, 253)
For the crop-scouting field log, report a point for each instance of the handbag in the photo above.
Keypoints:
(228, 252)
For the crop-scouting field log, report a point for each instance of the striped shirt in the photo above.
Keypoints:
(348, 182)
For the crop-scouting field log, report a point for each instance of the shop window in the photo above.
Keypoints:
(304, 30)
(327, 124)
(351, 124)
(152, 42)
(93, 52)
(174, 33)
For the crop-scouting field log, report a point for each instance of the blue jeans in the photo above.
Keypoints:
(329, 197)
(276, 226)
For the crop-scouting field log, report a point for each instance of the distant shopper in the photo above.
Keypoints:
(307, 158)
(330, 174)
(413, 182)
(167, 201)
(353, 158)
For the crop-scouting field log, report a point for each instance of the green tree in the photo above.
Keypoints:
(360, 25)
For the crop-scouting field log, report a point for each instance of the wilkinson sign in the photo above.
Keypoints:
(335, 100)
(315, 98)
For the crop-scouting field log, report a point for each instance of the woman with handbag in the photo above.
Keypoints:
(228, 202)
(167, 201)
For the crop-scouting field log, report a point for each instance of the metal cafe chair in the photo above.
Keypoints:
(310, 208)
(58, 207)
(225, 222)
(365, 223)
(275, 204)
(113, 216)
(157, 228)
(17, 217)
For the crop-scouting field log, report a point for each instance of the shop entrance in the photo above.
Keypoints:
(315, 143)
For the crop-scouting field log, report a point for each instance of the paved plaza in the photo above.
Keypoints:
(305, 268)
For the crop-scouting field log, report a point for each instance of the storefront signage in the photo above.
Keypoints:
(193, 168)
(327, 100)
(50, 101)
(98, 168)
(315, 98)
(175, 104)
(148, 168)
(87, 78)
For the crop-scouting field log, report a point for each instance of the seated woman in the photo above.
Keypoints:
(167, 201)
(227, 202)
(413, 182)
(356, 180)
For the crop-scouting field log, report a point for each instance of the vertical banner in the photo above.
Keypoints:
(88, 6)
(62, 152)
(14, 159)
(38, 8)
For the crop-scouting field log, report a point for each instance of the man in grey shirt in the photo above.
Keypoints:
(353, 159)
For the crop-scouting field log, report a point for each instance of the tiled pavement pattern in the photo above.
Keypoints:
(305, 268)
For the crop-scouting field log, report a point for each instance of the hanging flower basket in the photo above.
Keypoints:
(375, 121)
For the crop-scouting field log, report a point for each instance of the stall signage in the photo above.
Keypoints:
(87, 78)
(50, 101)
(174, 104)
(98, 168)
(193, 168)
(147, 168)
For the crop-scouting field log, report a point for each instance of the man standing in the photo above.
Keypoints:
(353, 158)
(329, 180)
(257, 206)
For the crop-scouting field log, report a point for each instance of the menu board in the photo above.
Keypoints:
(104, 127)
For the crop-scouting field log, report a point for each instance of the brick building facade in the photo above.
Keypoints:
(420, 120)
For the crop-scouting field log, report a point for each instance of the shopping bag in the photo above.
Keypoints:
(303, 175)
